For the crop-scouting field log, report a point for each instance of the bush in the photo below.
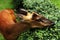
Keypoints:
(46, 8)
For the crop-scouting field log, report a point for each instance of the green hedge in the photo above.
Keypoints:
(44, 7)
(6, 4)
(50, 11)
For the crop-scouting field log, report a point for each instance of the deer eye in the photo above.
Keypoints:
(39, 20)
(34, 16)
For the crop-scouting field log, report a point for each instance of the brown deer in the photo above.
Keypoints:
(11, 29)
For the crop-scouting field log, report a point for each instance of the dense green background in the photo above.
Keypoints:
(49, 8)
(8, 4)
(56, 2)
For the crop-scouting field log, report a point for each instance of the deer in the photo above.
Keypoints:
(12, 29)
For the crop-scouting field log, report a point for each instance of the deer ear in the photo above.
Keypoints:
(23, 11)
(35, 16)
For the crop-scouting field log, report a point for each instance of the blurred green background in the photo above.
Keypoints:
(8, 3)
(49, 8)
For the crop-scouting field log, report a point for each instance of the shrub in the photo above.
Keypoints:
(46, 8)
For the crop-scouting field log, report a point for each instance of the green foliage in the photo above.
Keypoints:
(1, 37)
(44, 7)
(50, 11)
(56, 2)
(6, 4)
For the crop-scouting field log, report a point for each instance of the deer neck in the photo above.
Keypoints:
(16, 29)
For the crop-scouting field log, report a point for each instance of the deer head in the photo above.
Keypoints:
(35, 18)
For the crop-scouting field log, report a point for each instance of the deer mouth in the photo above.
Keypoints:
(45, 22)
